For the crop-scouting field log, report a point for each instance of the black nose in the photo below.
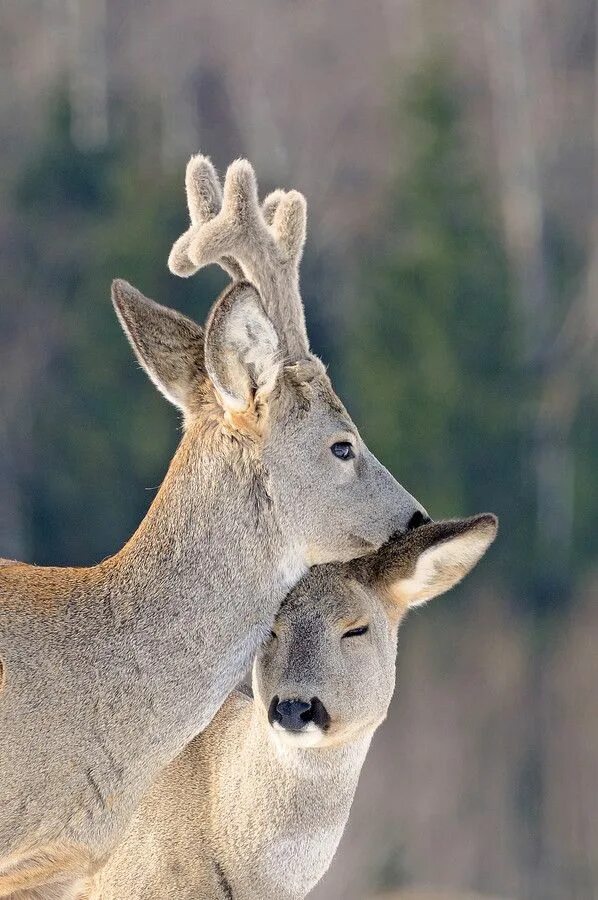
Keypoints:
(418, 518)
(290, 714)
(294, 715)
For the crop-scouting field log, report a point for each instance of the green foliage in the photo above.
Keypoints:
(103, 434)
(61, 176)
(432, 351)
(433, 345)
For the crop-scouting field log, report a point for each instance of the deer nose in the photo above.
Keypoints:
(418, 519)
(293, 715)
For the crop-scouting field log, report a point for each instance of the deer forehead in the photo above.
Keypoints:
(327, 599)
(306, 383)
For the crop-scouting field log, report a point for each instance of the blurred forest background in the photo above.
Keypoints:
(449, 154)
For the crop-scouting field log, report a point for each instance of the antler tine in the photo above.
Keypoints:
(265, 246)
(204, 200)
(289, 226)
(270, 205)
(204, 192)
(290, 223)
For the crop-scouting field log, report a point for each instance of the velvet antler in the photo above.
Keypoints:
(263, 245)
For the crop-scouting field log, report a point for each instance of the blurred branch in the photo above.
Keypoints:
(521, 194)
(29, 341)
(88, 72)
(573, 356)
(554, 361)
(576, 344)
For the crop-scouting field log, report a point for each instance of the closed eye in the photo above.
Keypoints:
(343, 450)
(356, 632)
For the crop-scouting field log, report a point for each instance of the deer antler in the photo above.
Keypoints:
(262, 245)
(204, 199)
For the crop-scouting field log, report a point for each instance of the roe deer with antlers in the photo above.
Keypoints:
(255, 806)
(109, 671)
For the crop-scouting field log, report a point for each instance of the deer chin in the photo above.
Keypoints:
(293, 567)
(310, 736)
(354, 546)
(359, 546)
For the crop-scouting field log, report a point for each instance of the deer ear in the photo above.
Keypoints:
(241, 348)
(430, 560)
(169, 346)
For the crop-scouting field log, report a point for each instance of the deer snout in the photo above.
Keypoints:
(418, 519)
(297, 715)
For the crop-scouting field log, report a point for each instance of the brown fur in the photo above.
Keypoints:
(110, 670)
(263, 246)
(49, 865)
(256, 813)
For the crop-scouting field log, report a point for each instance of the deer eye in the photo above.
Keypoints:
(356, 632)
(343, 450)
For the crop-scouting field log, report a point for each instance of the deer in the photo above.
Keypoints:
(109, 671)
(255, 806)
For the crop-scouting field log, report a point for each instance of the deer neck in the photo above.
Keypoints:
(143, 649)
(195, 590)
(297, 802)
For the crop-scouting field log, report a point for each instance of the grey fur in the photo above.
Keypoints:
(263, 246)
(110, 670)
(251, 804)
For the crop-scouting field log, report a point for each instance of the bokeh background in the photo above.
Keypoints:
(448, 151)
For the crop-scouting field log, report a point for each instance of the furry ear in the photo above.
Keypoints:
(169, 346)
(241, 348)
(428, 561)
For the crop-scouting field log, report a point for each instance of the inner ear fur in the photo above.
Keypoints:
(412, 568)
(241, 350)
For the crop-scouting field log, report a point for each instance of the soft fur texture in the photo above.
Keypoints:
(246, 811)
(109, 671)
(264, 247)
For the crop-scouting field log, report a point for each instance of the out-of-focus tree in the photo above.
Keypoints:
(558, 323)
(103, 436)
(558, 328)
(435, 368)
(466, 392)
(464, 385)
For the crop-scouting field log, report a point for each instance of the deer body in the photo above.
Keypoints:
(236, 815)
(150, 637)
(255, 806)
(107, 672)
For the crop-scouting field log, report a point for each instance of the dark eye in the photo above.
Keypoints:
(343, 450)
(273, 635)
(356, 632)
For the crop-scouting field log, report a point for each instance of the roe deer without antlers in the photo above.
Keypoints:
(255, 806)
(110, 670)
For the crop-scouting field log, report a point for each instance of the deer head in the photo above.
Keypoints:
(287, 764)
(327, 674)
(248, 385)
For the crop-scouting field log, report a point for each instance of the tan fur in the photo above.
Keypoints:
(263, 246)
(109, 671)
(246, 811)
(50, 865)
